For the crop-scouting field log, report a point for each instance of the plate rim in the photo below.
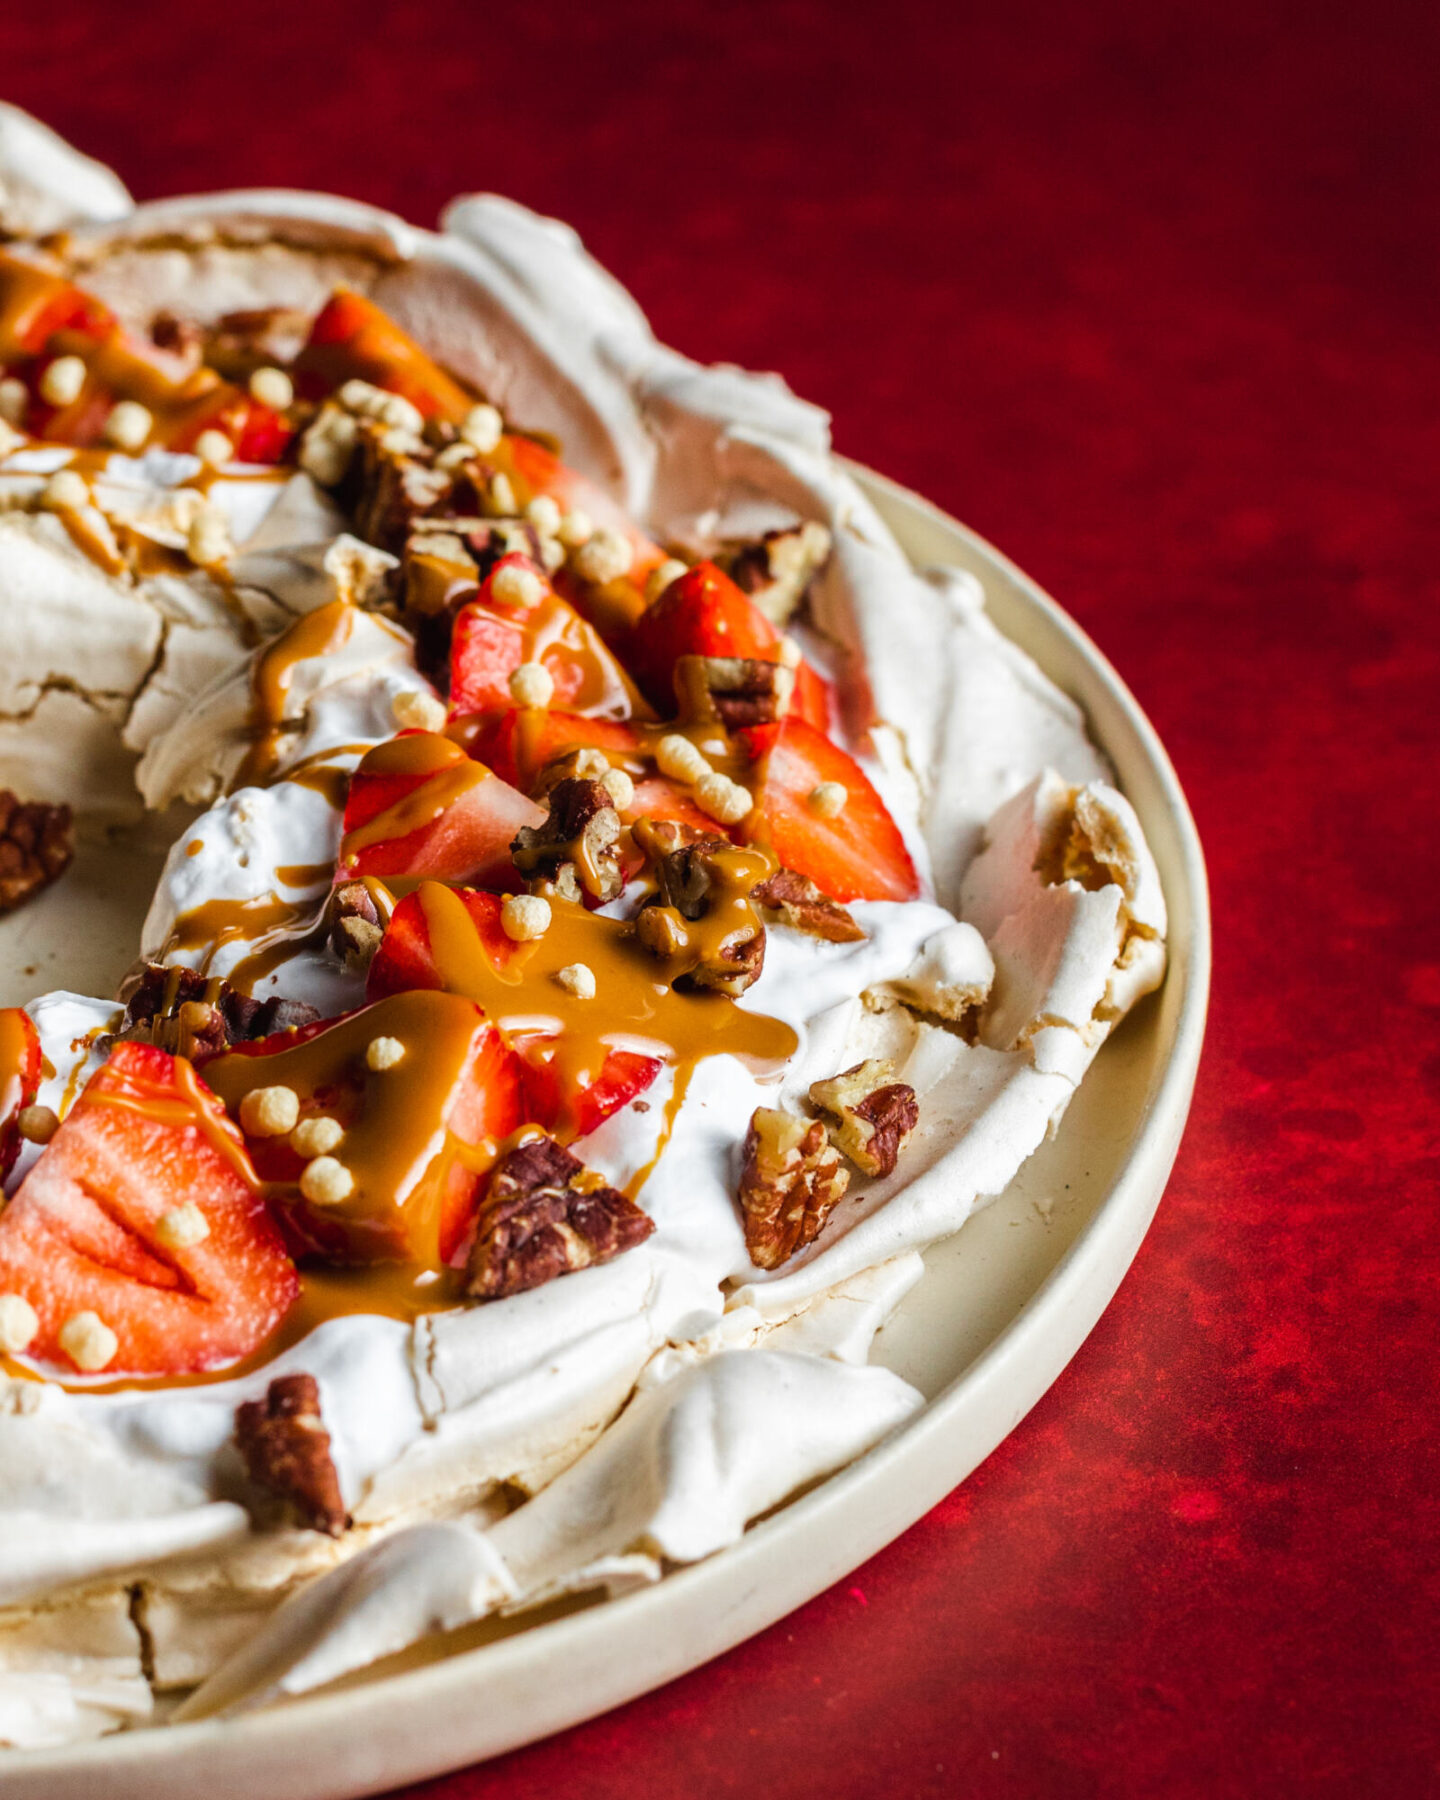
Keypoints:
(630, 1645)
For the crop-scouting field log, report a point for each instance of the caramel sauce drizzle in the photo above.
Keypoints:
(319, 633)
(448, 774)
(14, 1050)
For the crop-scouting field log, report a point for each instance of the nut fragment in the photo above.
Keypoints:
(356, 927)
(417, 711)
(874, 1115)
(272, 387)
(581, 828)
(316, 1137)
(182, 1227)
(828, 799)
(777, 571)
(66, 491)
(14, 400)
(88, 1341)
(531, 684)
(524, 917)
(18, 1323)
(326, 1182)
(661, 577)
(515, 585)
(803, 907)
(383, 1053)
(722, 799)
(269, 1111)
(482, 428)
(129, 425)
(735, 690)
(577, 979)
(678, 758)
(701, 921)
(37, 842)
(37, 1124)
(604, 557)
(190, 1014)
(62, 381)
(790, 1184)
(286, 1451)
(543, 1215)
(213, 448)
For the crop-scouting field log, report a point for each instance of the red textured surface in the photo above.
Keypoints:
(1148, 295)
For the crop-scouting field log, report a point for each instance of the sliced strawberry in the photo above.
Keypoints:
(492, 637)
(20, 1068)
(259, 434)
(35, 304)
(657, 797)
(352, 337)
(541, 471)
(704, 613)
(561, 1093)
(419, 1135)
(84, 1232)
(517, 745)
(857, 855)
(418, 805)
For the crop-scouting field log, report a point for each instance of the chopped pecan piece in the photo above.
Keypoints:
(195, 1015)
(790, 1184)
(37, 842)
(356, 927)
(776, 572)
(240, 342)
(803, 907)
(544, 1214)
(701, 920)
(737, 691)
(874, 1114)
(583, 830)
(286, 1451)
(388, 488)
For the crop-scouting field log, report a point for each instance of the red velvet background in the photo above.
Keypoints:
(1148, 294)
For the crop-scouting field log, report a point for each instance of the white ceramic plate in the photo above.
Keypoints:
(1003, 1307)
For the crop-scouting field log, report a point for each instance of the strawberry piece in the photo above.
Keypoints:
(20, 1070)
(418, 806)
(352, 337)
(556, 1097)
(36, 304)
(259, 434)
(419, 1136)
(84, 1231)
(541, 471)
(492, 637)
(704, 613)
(517, 744)
(858, 855)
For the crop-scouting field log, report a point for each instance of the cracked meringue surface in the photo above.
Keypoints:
(643, 1410)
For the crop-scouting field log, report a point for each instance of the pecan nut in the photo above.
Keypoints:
(803, 907)
(37, 842)
(543, 1215)
(195, 1015)
(874, 1115)
(735, 691)
(777, 571)
(388, 489)
(790, 1184)
(286, 1451)
(356, 927)
(701, 921)
(581, 830)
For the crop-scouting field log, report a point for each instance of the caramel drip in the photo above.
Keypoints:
(216, 922)
(433, 583)
(319, 633)
(447, 773)
(324, 775)
(304, 875)
(397, 1146)
(634, 1006)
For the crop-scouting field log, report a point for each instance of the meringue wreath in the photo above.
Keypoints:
(619, 914)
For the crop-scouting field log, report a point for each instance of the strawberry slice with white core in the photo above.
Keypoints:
(143, 1217)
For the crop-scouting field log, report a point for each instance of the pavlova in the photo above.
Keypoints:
(619, 914)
